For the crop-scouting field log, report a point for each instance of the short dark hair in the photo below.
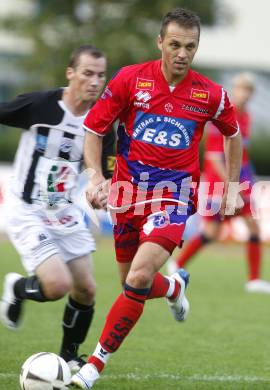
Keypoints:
(183, 17)
(88, 49)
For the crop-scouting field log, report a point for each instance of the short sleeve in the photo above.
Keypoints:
(214, 140)
(225, 118)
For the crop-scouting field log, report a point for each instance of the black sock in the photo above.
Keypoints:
(29, 288)
(76, 322)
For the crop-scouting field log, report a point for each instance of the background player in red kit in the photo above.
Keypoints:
(162, 107)
(214, 171)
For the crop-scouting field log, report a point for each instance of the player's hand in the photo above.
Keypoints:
(93, 189)
(231, 205)
(103, 193)
(97, 191)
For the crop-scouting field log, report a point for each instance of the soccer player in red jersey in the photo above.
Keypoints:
(214, 171)
(162, 107)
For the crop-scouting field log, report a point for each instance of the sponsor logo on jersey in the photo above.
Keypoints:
(200, 94)
(168, 107)
(66, 145)
(72, 125)
(143, 97)
(142, 105)
(58, 178)
(41, 142)
(163, 130)
(161, 221)
(42, 237)
(198, 110)
(145, 84)
(200, 83)
(107, 93)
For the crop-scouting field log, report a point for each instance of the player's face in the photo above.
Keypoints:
(87, 79)
(178, 47)
(241, 94)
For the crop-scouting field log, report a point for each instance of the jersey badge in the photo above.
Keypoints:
(200, 94)
(145, 84)
(142, 97)
(168, 107)
(66, 145)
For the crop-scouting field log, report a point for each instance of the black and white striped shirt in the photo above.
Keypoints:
(52, 146)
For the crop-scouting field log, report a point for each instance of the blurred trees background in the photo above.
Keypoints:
(125, 30)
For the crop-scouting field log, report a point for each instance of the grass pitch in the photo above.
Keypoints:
(224, 344)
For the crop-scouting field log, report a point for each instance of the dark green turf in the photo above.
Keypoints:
(225, 343)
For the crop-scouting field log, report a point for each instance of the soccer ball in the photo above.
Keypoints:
(45, 371)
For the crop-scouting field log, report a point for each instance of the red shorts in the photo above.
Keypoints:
(162, 228)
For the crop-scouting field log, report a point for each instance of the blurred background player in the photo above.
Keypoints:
(161, 124)
(46, 228)
(214, 171)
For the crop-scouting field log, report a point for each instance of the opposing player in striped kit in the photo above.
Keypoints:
(46, 228)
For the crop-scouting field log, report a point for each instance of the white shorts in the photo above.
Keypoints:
(38, 234)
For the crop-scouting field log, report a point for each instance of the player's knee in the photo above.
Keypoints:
(254, 230)
(254, 238)
(207, 238)
(57, 288)
(87, 291)
(139, 278)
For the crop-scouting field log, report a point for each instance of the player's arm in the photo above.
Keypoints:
(233, 159)
(97, 124)
(225, 121)
(17, 113)
(214, 150)
(92, 159)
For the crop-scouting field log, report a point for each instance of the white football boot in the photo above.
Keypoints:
(86, 377)
(10, 306)
(180, 306)
(257, 286)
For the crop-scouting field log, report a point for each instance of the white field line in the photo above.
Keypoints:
(193, 378)
(8, 375)
(172, 377)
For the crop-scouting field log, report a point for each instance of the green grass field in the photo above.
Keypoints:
(224, 344)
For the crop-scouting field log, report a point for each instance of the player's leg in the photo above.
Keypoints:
(79, 310)
(49, 278)
(162, 286)
(50, 282)
(76, 248)
(123, 270)
(41, 259)
(194, 245)
(126, 310)
(254, 256)
(128, 307)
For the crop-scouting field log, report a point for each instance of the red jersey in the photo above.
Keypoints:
(214, 146)
(159, 128)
